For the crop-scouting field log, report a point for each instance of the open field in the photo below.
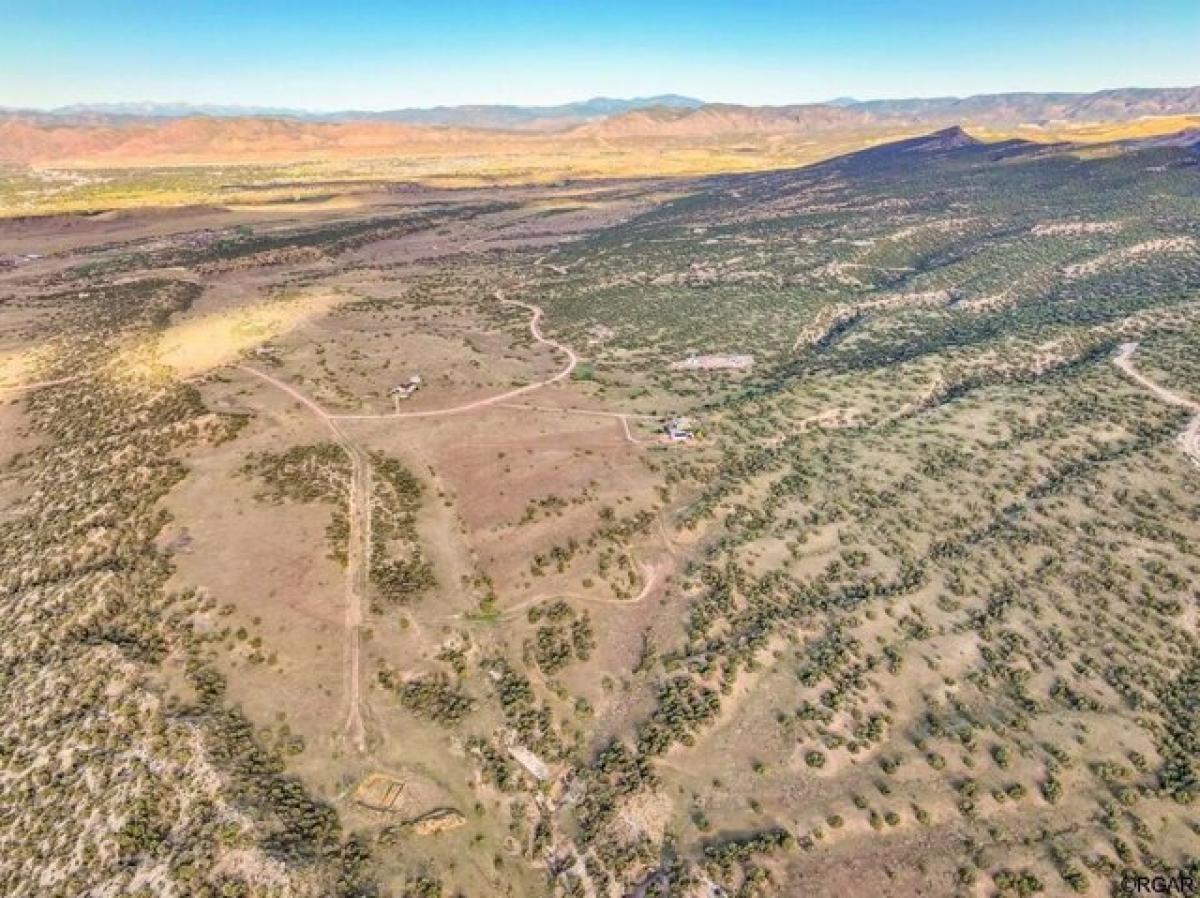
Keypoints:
(343, 551)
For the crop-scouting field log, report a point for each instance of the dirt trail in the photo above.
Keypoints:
(358, 555)
(622, 416)
(654, 574)
(628, 433)
(22, 388)
(579, 411)
(358, 552)
(536, 331)
(1189, 440)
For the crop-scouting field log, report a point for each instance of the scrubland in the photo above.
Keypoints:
(914, 612)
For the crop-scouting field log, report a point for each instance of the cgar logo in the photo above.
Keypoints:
(1178, 883)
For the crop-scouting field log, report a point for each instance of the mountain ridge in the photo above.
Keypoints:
(725, 132)
(995, 108)
(498, 116)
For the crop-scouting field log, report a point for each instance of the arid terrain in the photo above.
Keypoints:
(98, 159)
(576, 530)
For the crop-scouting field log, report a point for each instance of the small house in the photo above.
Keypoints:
(406, 389)
(679, 430)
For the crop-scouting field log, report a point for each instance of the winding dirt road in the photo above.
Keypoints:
(536, 331)
(654, 575)
(1189, 440)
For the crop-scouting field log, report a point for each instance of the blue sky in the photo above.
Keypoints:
(370, 54)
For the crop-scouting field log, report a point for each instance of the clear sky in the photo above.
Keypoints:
(372, 54)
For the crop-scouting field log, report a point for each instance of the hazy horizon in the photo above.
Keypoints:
(261, 108)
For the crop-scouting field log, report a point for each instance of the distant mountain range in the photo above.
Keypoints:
(522, 117)
(473, 116)
(153, 133)
(1120, 104)
(667, 111)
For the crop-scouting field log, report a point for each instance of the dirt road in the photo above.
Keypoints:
(1189, 440)
(536, 331)
(358, 555)
(579, 411)
(622, 416)
(358, 551)
(654, 575)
